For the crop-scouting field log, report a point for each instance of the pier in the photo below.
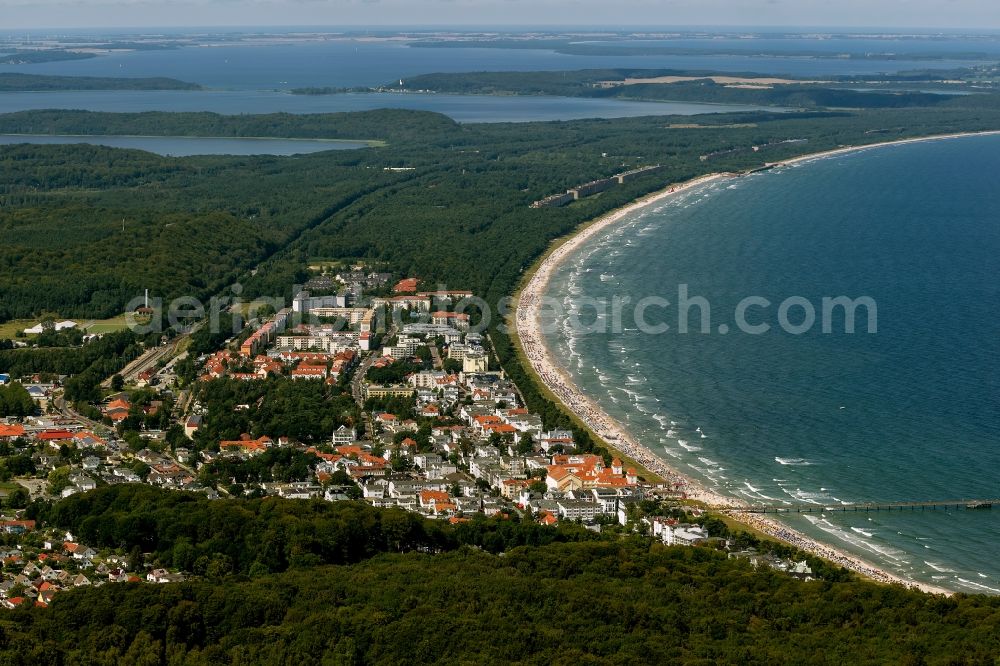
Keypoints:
(932, 505)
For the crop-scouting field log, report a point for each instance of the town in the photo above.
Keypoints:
(392, 398)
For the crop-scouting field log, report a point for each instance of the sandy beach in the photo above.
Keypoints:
(529, 331)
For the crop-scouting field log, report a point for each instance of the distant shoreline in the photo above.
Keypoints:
(553, 377)
(370, 142)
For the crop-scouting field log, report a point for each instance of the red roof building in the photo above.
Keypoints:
(247, 445)
(405, 286)
(11, 431)
(54, 435)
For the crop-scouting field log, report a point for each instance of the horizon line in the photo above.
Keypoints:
(461, 27)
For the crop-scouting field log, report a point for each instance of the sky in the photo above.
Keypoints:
(37, 14)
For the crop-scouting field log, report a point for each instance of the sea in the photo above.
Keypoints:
(904, 408)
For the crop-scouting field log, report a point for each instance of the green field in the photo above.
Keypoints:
(118, 323)
(9, 329)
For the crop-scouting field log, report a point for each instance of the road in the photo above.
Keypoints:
(436, 357)
(357, 381)
(63, 408)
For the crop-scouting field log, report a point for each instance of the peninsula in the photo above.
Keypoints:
(19, 82)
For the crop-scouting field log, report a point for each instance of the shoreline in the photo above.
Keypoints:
(553, 377)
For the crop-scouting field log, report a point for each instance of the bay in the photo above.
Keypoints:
(909, 412)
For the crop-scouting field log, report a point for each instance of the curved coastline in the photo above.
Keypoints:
(558, 382)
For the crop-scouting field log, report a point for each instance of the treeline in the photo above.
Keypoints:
(353, 585)
(601, 83)
(597, 48)
(15, 81)
(89, 364)
(68, 361)
(35, 56)
(380, 124)
(271, 534)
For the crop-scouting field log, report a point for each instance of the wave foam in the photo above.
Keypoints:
(793, 462)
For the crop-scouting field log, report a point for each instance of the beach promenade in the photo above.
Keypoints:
(529, 326)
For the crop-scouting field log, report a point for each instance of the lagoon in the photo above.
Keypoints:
(463, 108)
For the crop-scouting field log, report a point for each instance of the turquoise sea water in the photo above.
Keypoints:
(910, 412)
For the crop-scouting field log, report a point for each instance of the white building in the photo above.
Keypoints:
(59, 326)
(344, 436)
(475, 363)
(304, 303)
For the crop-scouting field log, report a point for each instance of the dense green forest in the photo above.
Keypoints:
(87, 228)
(12, 82)
(343, 583)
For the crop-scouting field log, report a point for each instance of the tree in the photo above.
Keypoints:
(399, 463)
(17, 498)
(258, 569)
(219, 566)
(134, 441)
(135, 560)
(15, 401)
(117, 382)
(58, 480)
(538, 487)
(141, 469)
